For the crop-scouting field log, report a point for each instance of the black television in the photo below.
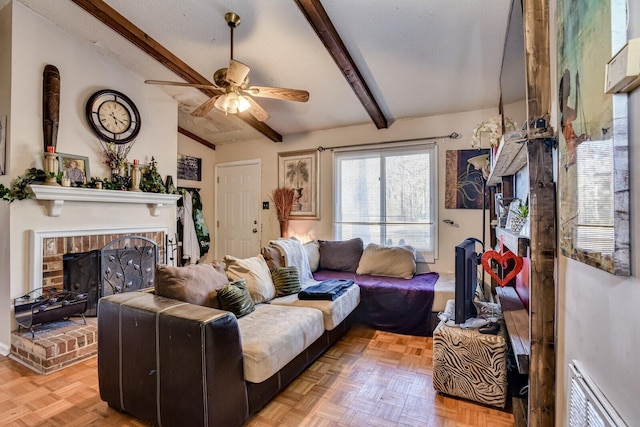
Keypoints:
(466, 279)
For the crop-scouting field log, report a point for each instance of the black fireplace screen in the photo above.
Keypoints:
(82, 275)
(124, 265)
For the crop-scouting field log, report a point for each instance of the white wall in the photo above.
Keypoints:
(189, 147)
(36, 42)
(5, 105)
(598, 313)
(468, 221)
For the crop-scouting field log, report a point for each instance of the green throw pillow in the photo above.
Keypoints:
(235, 298)
(286, 280)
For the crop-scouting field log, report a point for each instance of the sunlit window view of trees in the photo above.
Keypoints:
(387, 196)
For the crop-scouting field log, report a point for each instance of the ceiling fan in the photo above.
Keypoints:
(233, 81)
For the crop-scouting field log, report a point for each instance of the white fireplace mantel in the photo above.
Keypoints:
(55, 196)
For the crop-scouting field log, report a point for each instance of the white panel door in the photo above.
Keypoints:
(237, 209)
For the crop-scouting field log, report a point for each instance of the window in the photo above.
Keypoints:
(388, 196)
(594, 227)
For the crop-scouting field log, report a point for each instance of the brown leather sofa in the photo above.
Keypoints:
(172, 363)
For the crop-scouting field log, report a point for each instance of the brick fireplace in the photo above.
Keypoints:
(58, 344)
(54, 248)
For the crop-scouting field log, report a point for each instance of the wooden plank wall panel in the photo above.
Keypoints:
(537, 59)
(542, 302)
(542, 204)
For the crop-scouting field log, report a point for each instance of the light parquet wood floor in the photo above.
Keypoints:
(369, 378)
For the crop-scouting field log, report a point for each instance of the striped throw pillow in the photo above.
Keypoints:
(235, 298)
(286, 280)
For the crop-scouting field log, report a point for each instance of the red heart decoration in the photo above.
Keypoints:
(502, 260)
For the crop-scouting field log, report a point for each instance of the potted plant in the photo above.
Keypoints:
(151, 180)
(520, 215)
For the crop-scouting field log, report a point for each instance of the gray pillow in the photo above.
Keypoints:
(196, 284)
(341, 255)
(235, 298)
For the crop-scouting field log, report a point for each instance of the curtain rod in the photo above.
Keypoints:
(452, 135)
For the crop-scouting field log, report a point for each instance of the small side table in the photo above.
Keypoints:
(470, 365)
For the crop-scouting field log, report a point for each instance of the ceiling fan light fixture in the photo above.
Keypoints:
(243, 103)
(232, 103)
(234, 81)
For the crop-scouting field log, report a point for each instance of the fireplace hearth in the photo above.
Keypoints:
(125, 258)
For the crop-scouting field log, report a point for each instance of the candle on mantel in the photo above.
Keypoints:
(136, 161)
(51, 149)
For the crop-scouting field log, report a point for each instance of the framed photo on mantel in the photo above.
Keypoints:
(74, 168)
(300, 171)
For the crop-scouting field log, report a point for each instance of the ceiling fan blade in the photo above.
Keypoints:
(237, 72)
(257, 111)
(206, 107)
(162, 82)
(278, 93)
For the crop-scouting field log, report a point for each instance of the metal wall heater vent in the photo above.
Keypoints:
(587, 405)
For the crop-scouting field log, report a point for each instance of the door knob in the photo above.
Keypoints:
(255, 230)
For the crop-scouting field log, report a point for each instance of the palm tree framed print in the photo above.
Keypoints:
(300, 171)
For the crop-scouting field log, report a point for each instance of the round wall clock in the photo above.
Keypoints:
(113, 116)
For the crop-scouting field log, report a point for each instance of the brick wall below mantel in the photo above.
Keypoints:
(54, 248)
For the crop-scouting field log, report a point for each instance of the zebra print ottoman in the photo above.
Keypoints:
(470, 365)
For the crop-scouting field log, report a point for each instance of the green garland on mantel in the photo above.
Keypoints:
(19, 188)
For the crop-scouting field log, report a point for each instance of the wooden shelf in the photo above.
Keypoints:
(516, 243)
(55, 196)
(516, 319)
(510, 158)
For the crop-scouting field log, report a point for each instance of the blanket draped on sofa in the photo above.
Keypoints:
(295, 255)
(391, 304)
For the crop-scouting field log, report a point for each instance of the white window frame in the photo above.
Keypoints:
(421, 255)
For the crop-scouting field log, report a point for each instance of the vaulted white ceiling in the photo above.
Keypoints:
(419, 58)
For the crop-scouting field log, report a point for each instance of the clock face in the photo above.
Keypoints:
(113, 116)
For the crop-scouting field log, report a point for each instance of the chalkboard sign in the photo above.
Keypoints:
(189, 168)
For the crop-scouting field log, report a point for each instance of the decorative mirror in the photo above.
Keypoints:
(593, 169)
(513, 85)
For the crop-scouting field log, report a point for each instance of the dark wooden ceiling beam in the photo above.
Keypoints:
(121, 25)
(196, 138)
(319, 20)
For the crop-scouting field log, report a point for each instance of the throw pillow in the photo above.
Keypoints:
(340, 255)
(313, 254)
(256, 274)
(286, 280)
(272, 256)
(195, 284)
(235, 298)
(393, 261)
